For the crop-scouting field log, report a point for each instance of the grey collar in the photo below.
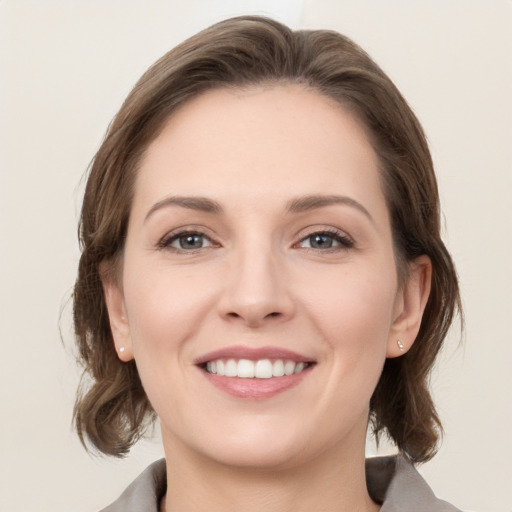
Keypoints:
(392, 482)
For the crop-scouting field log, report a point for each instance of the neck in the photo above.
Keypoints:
(329, 483)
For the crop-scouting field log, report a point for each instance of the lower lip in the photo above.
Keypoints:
(256, 389)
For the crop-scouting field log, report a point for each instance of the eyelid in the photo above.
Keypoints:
(165, 241)
(344, 240)
(342, 237)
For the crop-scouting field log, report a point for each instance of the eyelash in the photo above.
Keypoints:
(345, 242)
(166, 242)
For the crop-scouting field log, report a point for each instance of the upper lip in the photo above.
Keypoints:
(253, 354)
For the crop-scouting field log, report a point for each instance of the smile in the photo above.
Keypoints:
(260, 369)
(254, 373)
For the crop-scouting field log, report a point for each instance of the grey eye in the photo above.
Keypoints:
(326, 240)
(189, 241)
(320, 241)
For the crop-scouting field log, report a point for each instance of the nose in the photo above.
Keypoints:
(257, 290)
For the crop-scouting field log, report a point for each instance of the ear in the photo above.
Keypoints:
(118, 319)
(410, 304)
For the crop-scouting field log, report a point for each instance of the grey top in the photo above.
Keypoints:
(392, 482)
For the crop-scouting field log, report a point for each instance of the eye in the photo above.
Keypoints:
(325, 240)
(186, 241)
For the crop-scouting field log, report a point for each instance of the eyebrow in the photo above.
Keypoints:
(297, 205)
(202, 204)
(311, 202)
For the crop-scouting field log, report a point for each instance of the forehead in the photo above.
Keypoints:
(279, 140)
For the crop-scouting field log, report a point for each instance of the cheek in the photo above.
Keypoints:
(354, 301)
(164, 306)
(353, 313)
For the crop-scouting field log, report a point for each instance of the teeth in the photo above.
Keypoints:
(245, 369)
(278, 368)
(289, 367)
(261, 369)
(231, 368)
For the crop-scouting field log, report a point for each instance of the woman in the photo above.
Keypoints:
(262, 270)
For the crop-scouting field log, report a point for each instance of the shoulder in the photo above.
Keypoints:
(394, 482)
(144, 493)
(391, 481)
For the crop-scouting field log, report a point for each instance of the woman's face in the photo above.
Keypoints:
(259, 243)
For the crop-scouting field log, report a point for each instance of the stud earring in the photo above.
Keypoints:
(400, 345)
(121, 349)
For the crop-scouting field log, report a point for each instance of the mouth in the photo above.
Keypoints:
(259, 369)
(254, 373)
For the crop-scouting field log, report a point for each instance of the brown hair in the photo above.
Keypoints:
(112, 408)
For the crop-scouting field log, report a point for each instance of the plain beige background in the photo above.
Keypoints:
(65, 67)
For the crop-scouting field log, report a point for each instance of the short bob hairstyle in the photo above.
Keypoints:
(112, 410)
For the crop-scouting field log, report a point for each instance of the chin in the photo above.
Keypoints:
(247, 444)
(259, 456)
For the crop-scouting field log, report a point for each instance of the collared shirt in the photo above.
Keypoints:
(392, 482)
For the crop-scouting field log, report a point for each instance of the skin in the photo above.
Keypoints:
(256, 280)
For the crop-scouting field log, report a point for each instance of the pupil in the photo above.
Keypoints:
(191, 242)
(321, 242)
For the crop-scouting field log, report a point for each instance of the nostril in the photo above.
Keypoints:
(234, 314)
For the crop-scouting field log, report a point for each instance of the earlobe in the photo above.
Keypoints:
(119, 325)
(410, 305)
